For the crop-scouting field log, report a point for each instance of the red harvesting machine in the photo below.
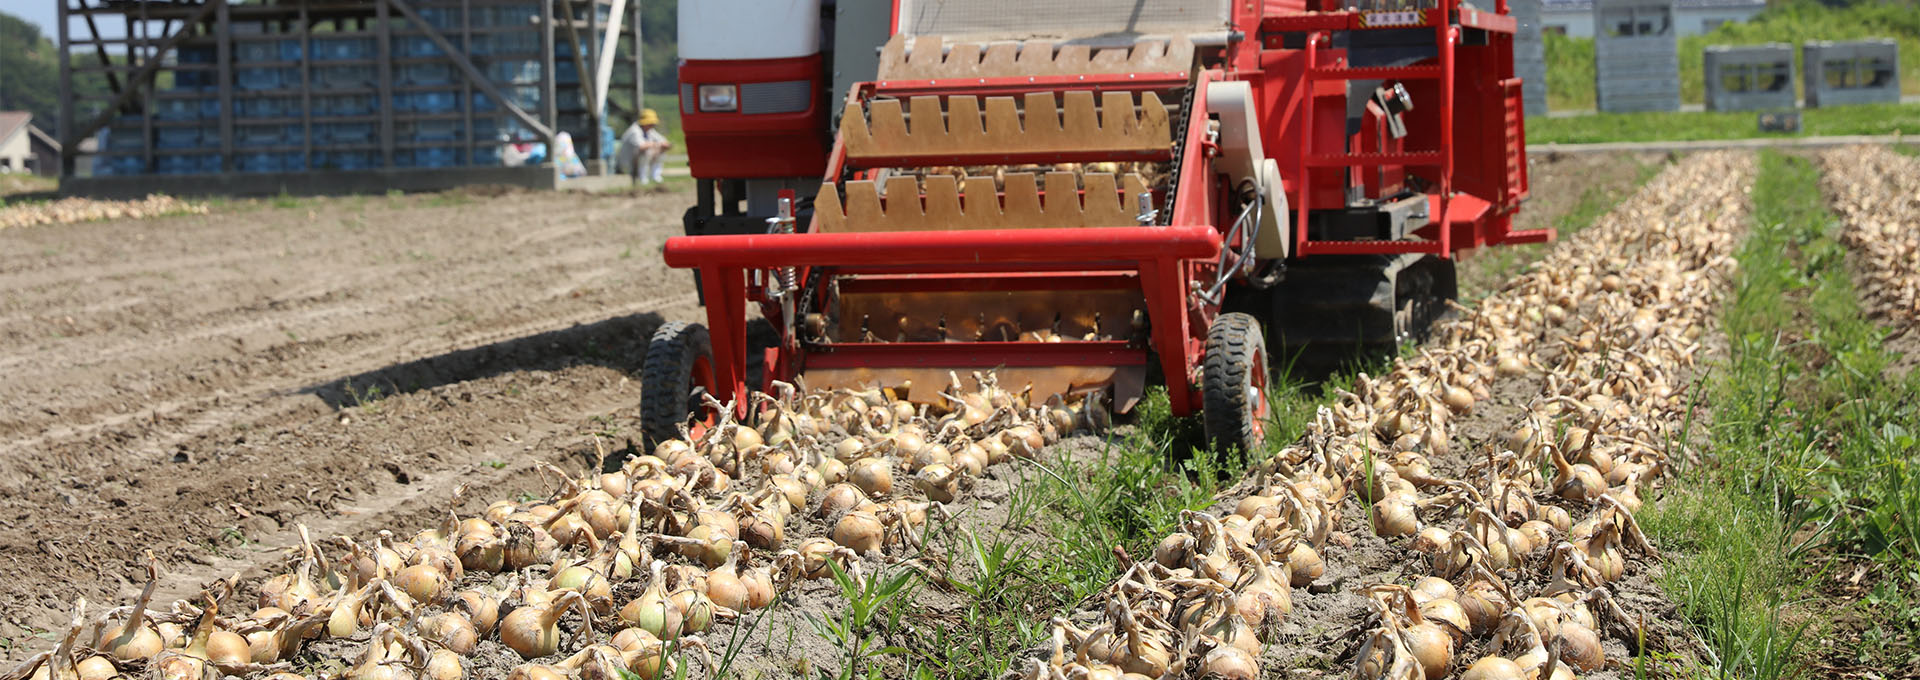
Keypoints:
(1088, 196)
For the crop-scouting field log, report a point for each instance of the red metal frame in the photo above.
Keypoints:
(1464, 216)
(1466, 140)
(1155, 258)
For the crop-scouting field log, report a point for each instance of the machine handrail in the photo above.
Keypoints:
(925, 248)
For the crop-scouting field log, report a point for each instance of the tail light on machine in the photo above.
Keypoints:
(751, 85)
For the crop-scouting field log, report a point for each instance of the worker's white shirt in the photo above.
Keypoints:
(630, 142)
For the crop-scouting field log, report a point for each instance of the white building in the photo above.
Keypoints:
(16, 144)
(1574, 18)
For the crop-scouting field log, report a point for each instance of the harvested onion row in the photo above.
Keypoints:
(1605, 327)
(700, 523)
(1877, 193)
(68, 210)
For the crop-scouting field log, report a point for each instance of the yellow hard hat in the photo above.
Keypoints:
(649, 117)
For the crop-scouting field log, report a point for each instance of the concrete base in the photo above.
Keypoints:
(309, 183)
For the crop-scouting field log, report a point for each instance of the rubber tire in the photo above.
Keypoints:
(667, 380)
(1235, 357)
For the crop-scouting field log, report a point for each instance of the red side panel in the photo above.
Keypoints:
(1484, 162)
(736, 144)
(1282, 73)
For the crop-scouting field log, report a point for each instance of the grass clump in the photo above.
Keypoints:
(1810, 476)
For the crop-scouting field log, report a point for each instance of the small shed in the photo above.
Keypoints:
(16, 144)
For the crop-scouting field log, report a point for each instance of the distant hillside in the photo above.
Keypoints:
(1570, 60)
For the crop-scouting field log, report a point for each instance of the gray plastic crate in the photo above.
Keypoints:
(1529, 55)
(1749, 77)
(1636, 56)
(1857, 72)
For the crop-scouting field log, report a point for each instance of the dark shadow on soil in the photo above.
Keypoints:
(619, 343)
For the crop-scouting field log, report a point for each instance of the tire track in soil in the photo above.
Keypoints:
(210, 455)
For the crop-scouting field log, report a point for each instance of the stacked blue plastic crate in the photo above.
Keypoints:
(183, 123)
(342, 78)
(290, 93)
(266, 105)
(509, 58)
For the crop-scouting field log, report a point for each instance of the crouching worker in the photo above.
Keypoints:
(643, 148)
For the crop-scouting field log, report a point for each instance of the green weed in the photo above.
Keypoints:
(1810, 457)
(860, 629)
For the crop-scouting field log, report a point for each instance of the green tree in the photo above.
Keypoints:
(29, 71)
(30, 76)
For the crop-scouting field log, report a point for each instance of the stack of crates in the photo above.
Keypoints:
(343, 101)
(503, 41)
(267, 133)
(184, 121)
(309, 98)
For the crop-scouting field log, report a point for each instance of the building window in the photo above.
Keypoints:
(1623, 22)
(1557, 29)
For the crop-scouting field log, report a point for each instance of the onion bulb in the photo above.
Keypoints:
(859, 531)
(423, 582)
(482, 610)
(134, 640)
(1227, 662)
(838, 499)
(651, 611)
(1493, 668)
(724, 586)
(873, 475)
(534, 631)
(443, 665)
(451, 630)
(97, 668)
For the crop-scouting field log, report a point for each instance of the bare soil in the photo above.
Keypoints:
(199, 386)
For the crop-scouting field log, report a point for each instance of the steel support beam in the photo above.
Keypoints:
(142, 79)
(67, 145)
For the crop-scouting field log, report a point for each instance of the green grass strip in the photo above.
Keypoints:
(1809, 464)
(1686, 126)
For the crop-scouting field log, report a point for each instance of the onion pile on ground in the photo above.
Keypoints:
(1523, 539)
(1877, 193)
(613, 572)
(68, 210)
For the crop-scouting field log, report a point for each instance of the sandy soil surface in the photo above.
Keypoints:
(202, 385)
(197, 385)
